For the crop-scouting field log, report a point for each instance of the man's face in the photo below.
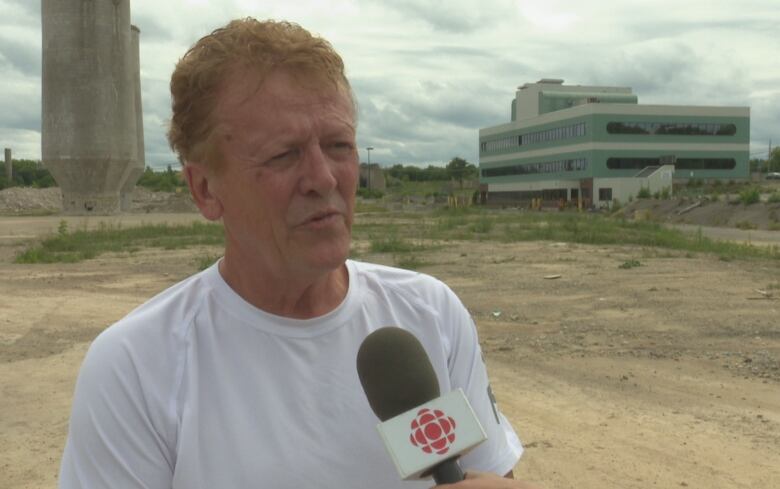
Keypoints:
(289, 173)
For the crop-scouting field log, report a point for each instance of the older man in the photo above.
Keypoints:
(243, 375)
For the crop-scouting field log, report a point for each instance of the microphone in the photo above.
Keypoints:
(423, 432)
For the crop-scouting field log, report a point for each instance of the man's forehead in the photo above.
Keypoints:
(280, 91)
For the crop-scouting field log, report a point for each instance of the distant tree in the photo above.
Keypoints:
(27, 173)
(411, 173)
(460, 169)
(757, 165)
(774, 160)
(165, 181)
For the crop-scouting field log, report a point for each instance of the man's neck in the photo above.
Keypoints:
(286, 295)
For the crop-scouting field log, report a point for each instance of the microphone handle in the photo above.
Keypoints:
(448, 472)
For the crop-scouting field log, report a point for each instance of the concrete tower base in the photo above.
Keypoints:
(90, 186)
(126, 193)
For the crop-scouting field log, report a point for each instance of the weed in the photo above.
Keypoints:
(630, 264)
(749, 196)
(204, 261)
(483, 226)
(644, 193)
(745, 225)
(364, 207)
(370, 193)
(392, 243)
(410, 262)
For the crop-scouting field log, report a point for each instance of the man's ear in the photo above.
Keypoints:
(200, 181)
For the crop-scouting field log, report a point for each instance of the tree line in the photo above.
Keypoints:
(26, 173)
(31, 173)
(457, 169)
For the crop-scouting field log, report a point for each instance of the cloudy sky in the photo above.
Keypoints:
(429, 73)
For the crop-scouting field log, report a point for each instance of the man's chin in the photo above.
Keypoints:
(324, 258)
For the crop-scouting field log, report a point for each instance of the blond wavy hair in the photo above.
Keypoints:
(244, 44)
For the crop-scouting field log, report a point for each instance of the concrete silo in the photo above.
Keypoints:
(88, 129)
(137, 169)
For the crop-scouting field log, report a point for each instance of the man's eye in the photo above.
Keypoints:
(283, 157)
(342, 147)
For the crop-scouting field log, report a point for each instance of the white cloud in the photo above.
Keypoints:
(428, 74)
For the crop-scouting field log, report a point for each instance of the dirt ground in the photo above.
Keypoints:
(663, 375)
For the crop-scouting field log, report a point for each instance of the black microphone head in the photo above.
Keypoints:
(395, 372)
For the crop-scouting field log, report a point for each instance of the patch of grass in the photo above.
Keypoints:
(30, 213)
(204, 261)
(750, 196)
(75, 246)
(410, 262)
(448, 223)
(774, 197)
(463, 224)
(745, 225)
(392, 243)
(630, 264)
(365, 207)
(482, 226)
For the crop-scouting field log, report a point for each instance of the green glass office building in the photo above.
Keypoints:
(598, 144)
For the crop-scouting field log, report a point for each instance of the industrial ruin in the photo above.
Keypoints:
(92, 127)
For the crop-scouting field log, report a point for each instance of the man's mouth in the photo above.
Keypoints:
(324, 217)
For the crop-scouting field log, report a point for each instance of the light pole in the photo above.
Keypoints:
(368, 149)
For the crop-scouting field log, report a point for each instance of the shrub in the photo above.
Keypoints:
(644, 193)
(630, 264)
(370, 193)
(745, 225)
(665, 193)
(694, 182)
(482, 225)
(749, 196)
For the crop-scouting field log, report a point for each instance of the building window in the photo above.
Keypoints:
(559, 166)
(705, 164)
(680, 164)
(672, 128)
(631, 163)
(555, 134)
(605, 194)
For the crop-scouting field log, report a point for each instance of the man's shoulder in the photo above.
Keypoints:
(410, 285)
(373, 273)
(160, 323)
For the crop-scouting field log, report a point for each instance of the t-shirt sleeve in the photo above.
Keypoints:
(117, 435)
(503, 449)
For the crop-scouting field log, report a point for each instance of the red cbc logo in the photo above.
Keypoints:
(433, 431)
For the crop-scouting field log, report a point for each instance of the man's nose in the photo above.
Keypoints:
(318, 172)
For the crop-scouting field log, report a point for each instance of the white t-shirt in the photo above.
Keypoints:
(199, 389)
